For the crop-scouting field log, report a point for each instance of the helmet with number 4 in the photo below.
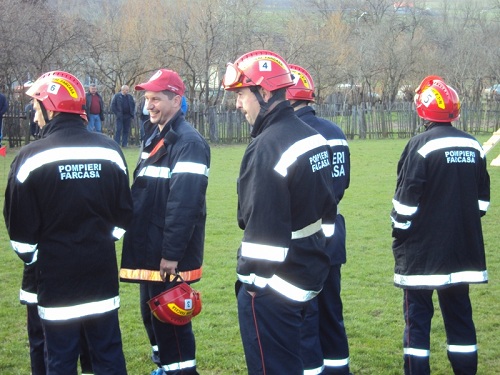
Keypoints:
(436, 101)
(258, 68)
(303, 88)
(59, 92)
(177, 305)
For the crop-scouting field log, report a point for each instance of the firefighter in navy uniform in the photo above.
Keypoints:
(168, 229)
(67, 201)
(285, 194)
(332, 354)
(442, 191)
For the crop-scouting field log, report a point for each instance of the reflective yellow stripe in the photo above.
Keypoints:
(149, 275)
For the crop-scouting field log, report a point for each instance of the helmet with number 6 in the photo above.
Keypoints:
(177, 305)
(59, 92)
(436, 101)
(258, 68)
(303, 88)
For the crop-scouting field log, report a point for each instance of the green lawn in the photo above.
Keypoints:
(373, 306)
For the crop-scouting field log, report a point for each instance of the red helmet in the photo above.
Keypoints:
(177, 305)
(303, 88)
(59, 92)
(258, 68)
(436, 101)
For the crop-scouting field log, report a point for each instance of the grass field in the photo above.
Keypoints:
(373, 306)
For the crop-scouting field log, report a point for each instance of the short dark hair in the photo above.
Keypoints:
(280, 94)
(170, 94)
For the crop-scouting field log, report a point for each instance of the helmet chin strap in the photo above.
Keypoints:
(265, 107)
(44, 112)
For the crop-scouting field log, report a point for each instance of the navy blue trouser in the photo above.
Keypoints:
(36, 339)
(324, 346)
(176, 344)
(122, 130)
(104, 341)
(332, 332)
(270, 331)
(456, 309)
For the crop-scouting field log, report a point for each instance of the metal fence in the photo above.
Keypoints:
(364, 121)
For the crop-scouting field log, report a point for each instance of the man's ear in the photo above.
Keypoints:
(266, 95)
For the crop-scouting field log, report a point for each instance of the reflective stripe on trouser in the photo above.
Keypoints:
(332, 332)
(176, 344)
(270, 332)
(460, 331)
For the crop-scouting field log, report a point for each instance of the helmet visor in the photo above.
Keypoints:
(232, 77)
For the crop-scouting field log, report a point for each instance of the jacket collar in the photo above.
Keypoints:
(281, 109)
(62, 121)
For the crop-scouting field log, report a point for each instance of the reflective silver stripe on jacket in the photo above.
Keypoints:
(297, 149)
(328, 230)
(181, 167)
(440, 143)
(399, 225)
(68, 153)
(403, 209)
(27, 297)
(23, 247)
(441, 280)
(281, 286)
(155, 172)
(484, 205)
(337, 142)
(189, 167)
(264, 252)
(78, 311)
(307, 231)
(118, 232)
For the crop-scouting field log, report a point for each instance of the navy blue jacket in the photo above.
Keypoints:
(119, 105)
(443, 189)
(170, 183)
(284, 195)
(66, 202)
(341, 173)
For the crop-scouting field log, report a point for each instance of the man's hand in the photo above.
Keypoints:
(167, 267)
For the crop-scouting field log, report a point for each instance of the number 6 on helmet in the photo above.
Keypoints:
(177, 305)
